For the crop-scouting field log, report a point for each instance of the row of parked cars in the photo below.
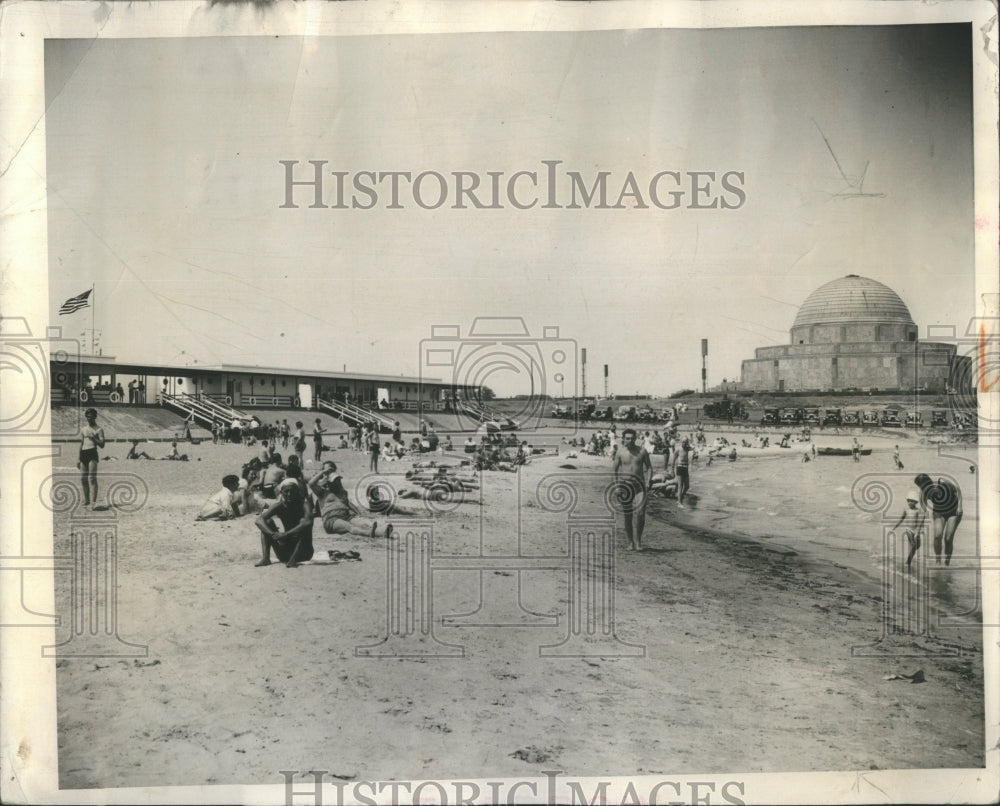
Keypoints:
(622, 413)
(886, 418)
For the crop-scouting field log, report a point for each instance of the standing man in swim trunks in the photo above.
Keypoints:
(682, 462)
(91, 438)
(629, 467)
(318, 431)
(944, 499)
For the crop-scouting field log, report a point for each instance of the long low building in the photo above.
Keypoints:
(855, 333)
(98, 379)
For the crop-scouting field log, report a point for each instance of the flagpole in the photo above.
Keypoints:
(93, 309)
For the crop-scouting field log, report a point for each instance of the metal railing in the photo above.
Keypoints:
(204, 409)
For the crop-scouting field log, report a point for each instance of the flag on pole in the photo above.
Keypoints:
(74, 304)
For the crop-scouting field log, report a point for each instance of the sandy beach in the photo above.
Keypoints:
(750, 635)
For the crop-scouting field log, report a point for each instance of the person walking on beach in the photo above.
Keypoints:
(286, 432)
(629, 467)
(682, 464)
(91, 438)
(914, 516)
(895, 458)
(944, 500)
(856, 450)
(318, 431)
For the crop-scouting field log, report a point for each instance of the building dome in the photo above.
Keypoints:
(853, 299)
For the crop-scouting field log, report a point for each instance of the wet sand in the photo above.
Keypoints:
(750, 635)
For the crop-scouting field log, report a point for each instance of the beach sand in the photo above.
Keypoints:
(744, 610)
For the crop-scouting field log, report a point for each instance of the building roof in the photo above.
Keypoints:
(109, 364)
(853, 299)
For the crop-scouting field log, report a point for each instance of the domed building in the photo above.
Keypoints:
(851, 333)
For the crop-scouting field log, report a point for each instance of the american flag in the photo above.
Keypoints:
(74, 304)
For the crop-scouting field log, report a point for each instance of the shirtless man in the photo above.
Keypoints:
(682, 464)
(91, 438)
(273, 475)
(629, 466)
(944, 499)
(292, 543)
(318, 431)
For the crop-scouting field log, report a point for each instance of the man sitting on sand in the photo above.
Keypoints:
(174, 455)
(274, 474)
(629, 467)
(265, 452)
(292, 543)
(136, 454)
(225, 503)
(914, 517)
(339, 515)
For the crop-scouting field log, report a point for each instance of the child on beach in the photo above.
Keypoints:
(914, 517)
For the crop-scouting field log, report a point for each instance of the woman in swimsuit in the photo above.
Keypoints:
(91, 438)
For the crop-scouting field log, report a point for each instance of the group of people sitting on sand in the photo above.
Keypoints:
(287, 504)
(174, 456)
(491, 455)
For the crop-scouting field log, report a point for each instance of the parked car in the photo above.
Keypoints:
(870, 417)
(770, 417)
(852, 418)
(791, 416)
(890, 419)
(625, 413)
(914, 420)
(939, 418)
(833, 417)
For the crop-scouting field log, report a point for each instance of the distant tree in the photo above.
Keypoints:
(485, 393)
(681, 393)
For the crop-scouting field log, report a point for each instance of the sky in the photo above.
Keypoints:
(165, 192)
